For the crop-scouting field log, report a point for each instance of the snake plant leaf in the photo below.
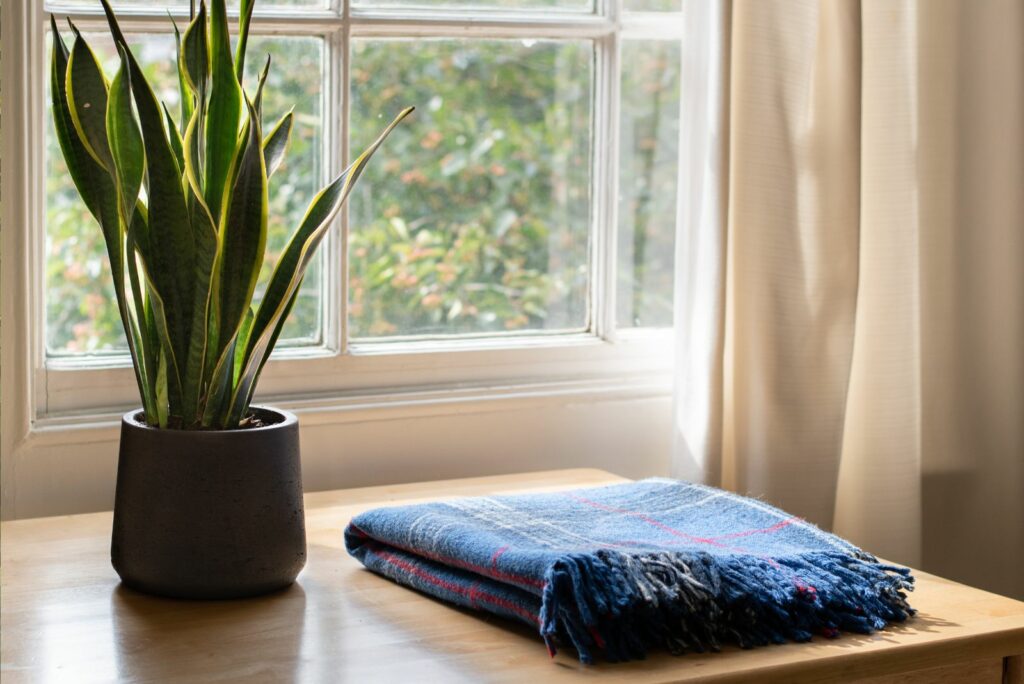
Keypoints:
(205, 235)
(144, 326)
(169, 253)
(202, 355)
(243, 235)
(219, 388)
(192, 162)
(187, 101)
(276, 143)
(241, 343)
(82, 166)
(127, 169)
(244, 21)
(87, 99)
(128, 157)
(277, 330)
(194, 66)
(194, 57)
(168, 356)
(162, 398)
(224, 111)
(291, 268)
(174, 138)
(115, 27)
(257, 102)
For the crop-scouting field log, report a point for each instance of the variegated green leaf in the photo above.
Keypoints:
(187, 103)
(128, 159)
(174, 138)
(145, 326)
(125, 139)
(191, 168)
(162, 395)
(87, 99)
(82, 166)
(257, 102)
(276, 143)
(220, 386)
(240, 344)
(244, 21)
(277, 333)
(205, 235)
(194, 58)
(243, 236)
(167, 355)
(194, 68)
(169, 252)
(224, 111)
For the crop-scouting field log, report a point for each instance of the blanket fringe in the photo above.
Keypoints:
(621, 605)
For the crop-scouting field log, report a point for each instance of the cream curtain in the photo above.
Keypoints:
(851, 271)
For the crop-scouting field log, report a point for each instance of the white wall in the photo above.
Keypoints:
(55, 472)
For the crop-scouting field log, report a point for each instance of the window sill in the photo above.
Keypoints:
(383, 405)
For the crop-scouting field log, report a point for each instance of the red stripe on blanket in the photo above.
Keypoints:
(714, 541)
(493, 572)
(472, 593)
(764, 530)
(647, 519)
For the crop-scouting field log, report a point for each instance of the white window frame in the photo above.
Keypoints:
(64, 396)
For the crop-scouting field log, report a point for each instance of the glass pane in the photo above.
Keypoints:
(474, 216)
(652, 5)
(648, 170)
(296, 79)
(232, 5)
(561, 5)
(81, 309)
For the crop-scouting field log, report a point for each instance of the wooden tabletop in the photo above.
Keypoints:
(65, 618)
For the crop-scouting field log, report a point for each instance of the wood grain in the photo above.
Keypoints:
(65, 618)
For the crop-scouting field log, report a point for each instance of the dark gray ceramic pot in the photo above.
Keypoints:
(209, 514)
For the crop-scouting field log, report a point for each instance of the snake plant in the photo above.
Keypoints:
(183, 209)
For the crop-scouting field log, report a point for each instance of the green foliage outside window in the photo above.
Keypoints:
(475, 218)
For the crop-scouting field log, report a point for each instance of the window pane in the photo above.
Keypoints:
(652, 5)
(231, 4)
(474, 216)
(563, 5)
(82, 312)
(296, 79)
(649, 135)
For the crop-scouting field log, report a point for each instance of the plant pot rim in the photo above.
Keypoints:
(288, 418)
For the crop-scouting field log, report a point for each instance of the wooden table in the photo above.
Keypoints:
(65, 618)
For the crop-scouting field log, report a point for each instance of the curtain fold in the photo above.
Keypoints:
(850, 297)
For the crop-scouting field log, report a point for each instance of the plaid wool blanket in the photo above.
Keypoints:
(620, 569)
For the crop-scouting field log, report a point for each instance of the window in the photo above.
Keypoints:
(519, 227)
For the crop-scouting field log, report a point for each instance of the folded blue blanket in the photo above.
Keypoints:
(620, 569)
